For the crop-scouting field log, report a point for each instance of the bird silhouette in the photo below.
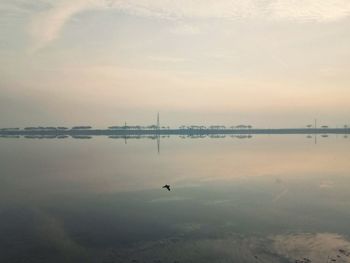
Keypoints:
(167, 187)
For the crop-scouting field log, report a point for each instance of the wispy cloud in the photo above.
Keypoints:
(321, 11)
(310, 10)
(47, 24)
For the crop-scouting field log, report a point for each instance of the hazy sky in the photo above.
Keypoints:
(268, 63)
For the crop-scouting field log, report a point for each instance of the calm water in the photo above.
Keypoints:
(264, 199)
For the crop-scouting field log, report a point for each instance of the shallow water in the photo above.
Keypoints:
(263, 199)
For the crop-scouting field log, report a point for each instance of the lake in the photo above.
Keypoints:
(277, 198)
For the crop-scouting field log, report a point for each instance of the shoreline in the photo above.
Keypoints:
(125, 132)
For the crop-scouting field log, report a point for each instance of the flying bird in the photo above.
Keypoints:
(167, 187)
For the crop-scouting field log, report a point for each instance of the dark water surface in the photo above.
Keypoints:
(263, 199)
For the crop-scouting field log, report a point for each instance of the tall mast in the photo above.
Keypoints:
(158, 124)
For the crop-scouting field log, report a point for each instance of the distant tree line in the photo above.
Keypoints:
(146, 127)
(215, 127)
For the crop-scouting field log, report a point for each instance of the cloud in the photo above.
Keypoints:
(322, 11)
(310, 10)
(47, 24)
(189, 8)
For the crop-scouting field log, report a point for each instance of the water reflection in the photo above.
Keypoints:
(266, 199)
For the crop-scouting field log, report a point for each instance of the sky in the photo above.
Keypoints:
(268, 63)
